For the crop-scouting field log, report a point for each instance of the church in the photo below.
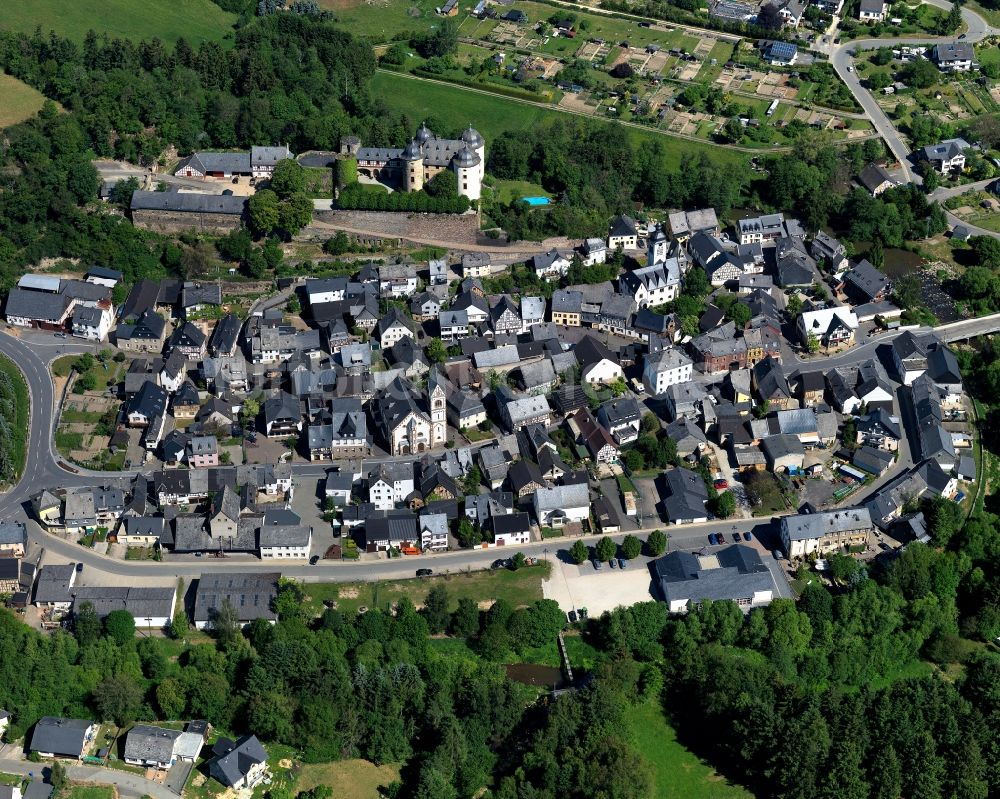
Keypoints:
(412, 167)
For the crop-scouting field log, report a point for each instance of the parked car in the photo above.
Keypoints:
(424, 572)
(499, 563)
(59, 335)
(612, 563)
(777, 554)
(722, 538)
(597, 564)
(314, 560)
(721, 484)
(621, 563)
(748, 536)
(713, 539)
(79, 567)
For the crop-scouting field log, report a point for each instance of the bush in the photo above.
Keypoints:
(656, 544)
(356, 198)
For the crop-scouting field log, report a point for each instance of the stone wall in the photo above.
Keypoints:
(177, 222)
(455, 228)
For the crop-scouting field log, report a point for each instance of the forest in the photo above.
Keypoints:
(878, 684)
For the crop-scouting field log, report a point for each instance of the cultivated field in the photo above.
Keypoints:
(195, 20)
(18, 101)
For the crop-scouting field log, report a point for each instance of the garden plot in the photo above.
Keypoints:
(577, 102)
(704, 46)
(688, 70)
(514, 35)
(592, 51)
(776, 85)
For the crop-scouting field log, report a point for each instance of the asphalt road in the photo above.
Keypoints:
(42, 469)
(976, 29)
(131, 785)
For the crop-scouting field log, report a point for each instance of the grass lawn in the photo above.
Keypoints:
(508, 190)
(475, 434)
(18, 101)
(195, 20)
(677, 773)
(109, 374)
(350, 779)
(381, 22)
(10, 779)
(452, 107)
(90, 792)
(520, 587)
(19, 424)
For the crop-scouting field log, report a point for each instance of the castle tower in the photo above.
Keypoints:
(476, 143)
(656, 251)
(424, 134)
(413, 156)
(468, 168)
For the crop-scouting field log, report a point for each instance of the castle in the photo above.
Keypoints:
(412, 167)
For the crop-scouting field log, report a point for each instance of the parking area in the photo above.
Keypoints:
(575, 587)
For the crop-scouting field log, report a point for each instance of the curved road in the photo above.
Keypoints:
(976, 29)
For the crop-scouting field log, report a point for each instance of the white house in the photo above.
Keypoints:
(434, 532)
(390, 484)
(594, 251)
(873, 10)
(555, 507)
(598, 365)
(653, 285)
(326, 289)
(825, 531)
(92, 322)
(392, 328)
(665, 368)
(624, 235)
(832, 327)
(550, 264)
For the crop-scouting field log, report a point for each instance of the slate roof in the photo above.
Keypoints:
(152, 744)
(686, 495)
(227, 204)
(234, 759)
(143, 602)
(590, 351)
(807, 526)
(576, 495)
(250, 594)
(58, 735)
(623, 226)
(866, 281)
(13, 532)
(872, 460)
(735, 572)
(225, 335)
(770, 379)
(873, 175)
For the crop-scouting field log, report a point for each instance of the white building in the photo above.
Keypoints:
(666, 368)
(594, 252)
(832, 327)
(390, 484)
(434, 532)
(551, 264)
(873, 10)
(825, 531)
(92, 322)
(555, 507)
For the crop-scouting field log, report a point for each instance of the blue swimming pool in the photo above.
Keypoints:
(537, 200)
